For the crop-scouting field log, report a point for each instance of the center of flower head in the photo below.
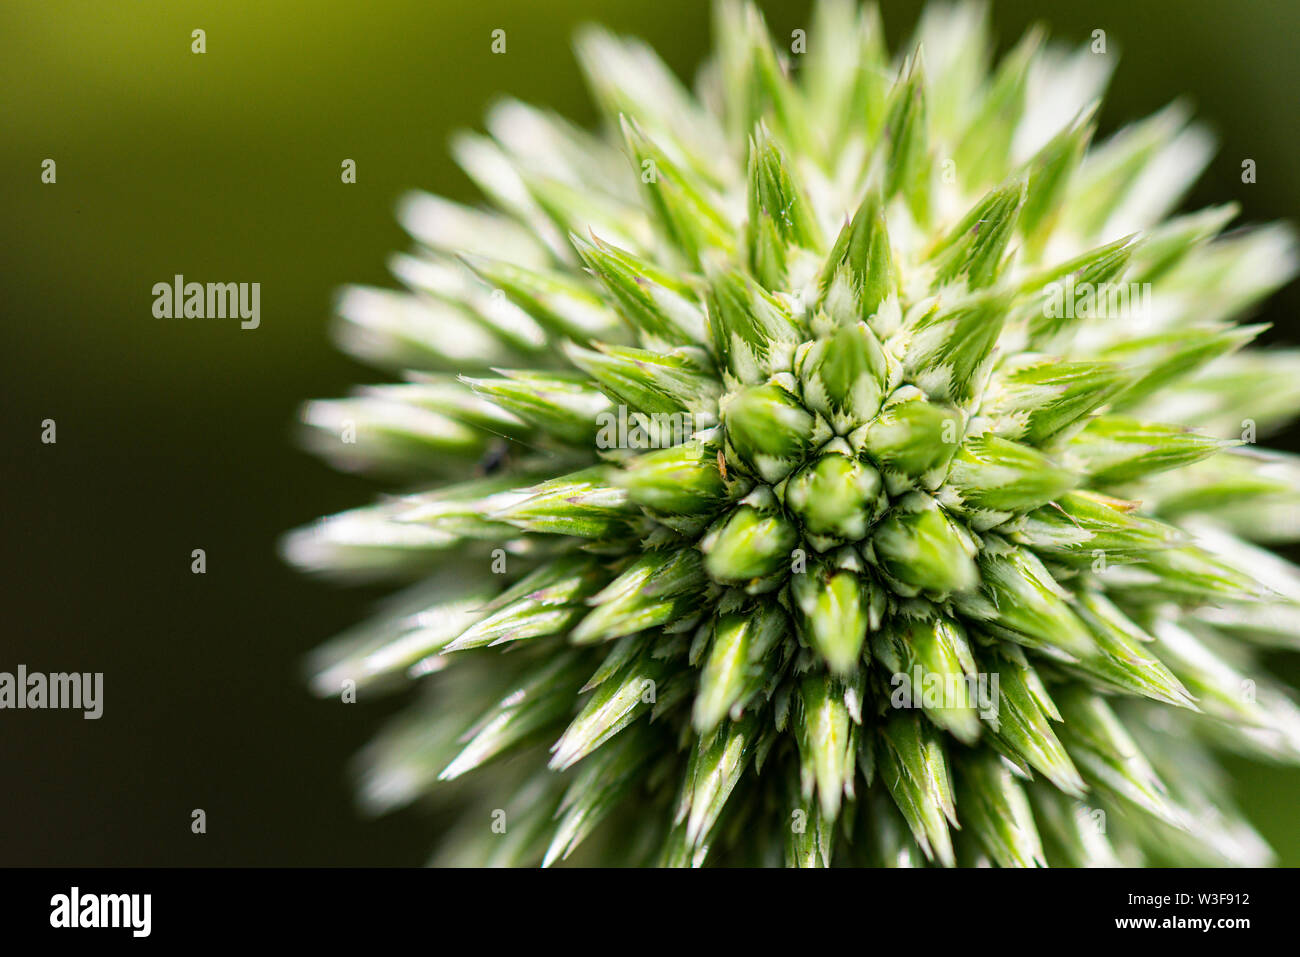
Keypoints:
(844, 459)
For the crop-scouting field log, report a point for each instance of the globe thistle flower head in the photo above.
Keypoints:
(846, 462)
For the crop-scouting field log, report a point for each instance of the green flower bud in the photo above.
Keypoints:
(651, 300)
(547, 698)
(1125, 663)
(834, 498)
(1081, 527)
(914, 767)
(949, 352)
(835, 611)
(844, 377)
(914, 649)
(1004, 476)
(653, 381)
(859, 273)
(1023, 729)
(1192, 574)
(756, 84)
(748, 543)
(1027, 603)
(596, 788)
(779, 215)
(657, 589)
(682, 480)
(1038, 400)
(1232, 482)
(922, 549)
(768, 430)
(1104, 183)
(975, 247)
(559, 302)
(582, 504)
(827, 742)
(560, 405)
(747, 325)
(914, 437)
(610, 709)
(1051, 323)
(546, 602)
(1109, 757)
(736, 666)
(985, 150)
(714, 770)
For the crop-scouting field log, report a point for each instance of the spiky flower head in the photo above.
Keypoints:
(847, 462)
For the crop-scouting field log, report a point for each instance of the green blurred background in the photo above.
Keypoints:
(176, 435)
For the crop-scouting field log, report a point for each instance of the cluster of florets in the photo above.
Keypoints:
(823, 511)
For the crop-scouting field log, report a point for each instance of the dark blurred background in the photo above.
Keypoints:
(176, 435)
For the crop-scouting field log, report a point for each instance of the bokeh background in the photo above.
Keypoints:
(177, 435)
